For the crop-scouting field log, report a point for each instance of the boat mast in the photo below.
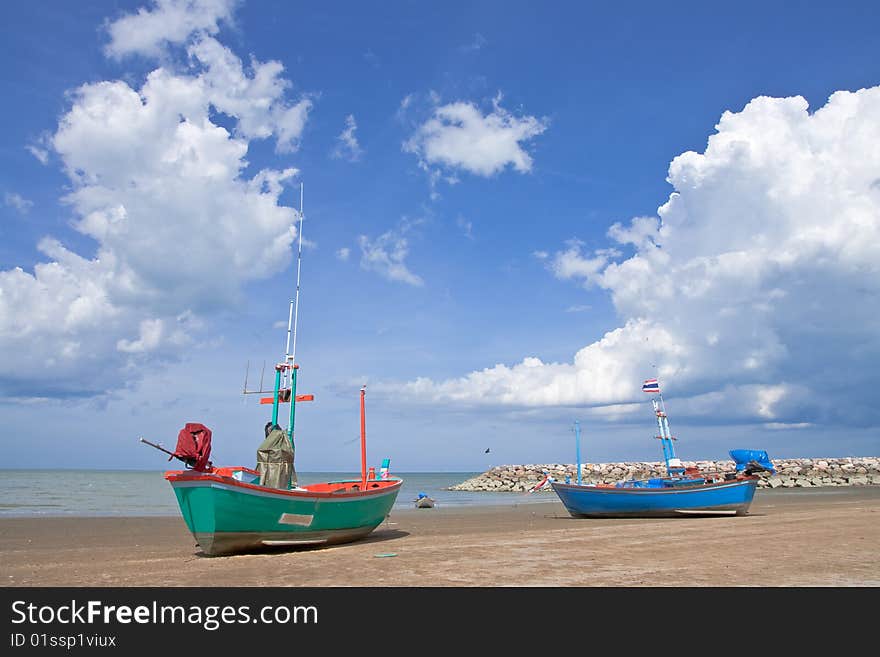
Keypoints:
(294, 303)
(290, 356)
(577, 449)
(673, 465)
(363, 441)
(289, 367)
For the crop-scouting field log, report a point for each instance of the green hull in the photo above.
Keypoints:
(226, 516)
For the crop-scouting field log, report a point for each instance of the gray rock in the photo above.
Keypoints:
(849, 471)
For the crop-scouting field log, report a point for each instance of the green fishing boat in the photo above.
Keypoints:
(237, 508)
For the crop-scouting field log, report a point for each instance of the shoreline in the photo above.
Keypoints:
(791, 537)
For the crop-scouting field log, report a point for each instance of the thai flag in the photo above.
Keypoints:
(651, 386)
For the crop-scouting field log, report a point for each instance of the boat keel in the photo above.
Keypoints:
(225, 543)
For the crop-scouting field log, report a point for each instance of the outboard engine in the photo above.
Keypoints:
(194, 447)
(752, 461)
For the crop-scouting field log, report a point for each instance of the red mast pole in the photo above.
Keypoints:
(363, 442)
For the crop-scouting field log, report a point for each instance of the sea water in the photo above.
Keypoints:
(34, 493)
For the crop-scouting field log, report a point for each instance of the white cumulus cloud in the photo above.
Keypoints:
(458, 136)
(160, 188)
(755, 291)
(18, 202)
(148, 31)
(386, 254)
(347, 146)
(254, 95)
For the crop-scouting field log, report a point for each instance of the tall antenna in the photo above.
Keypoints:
(293, 315)
(291, 355)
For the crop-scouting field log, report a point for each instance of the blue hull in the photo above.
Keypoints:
(721, 498)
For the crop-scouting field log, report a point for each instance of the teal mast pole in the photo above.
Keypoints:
(292, 404)
(664, 439)
(276, 394)
(577, 449)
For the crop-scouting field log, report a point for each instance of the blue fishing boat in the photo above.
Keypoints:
(682, 492)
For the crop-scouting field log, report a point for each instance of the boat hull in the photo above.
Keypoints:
(721, 498)
(226, 515)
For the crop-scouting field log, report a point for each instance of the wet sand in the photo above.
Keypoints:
(827, 537)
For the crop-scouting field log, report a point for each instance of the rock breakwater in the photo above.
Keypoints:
(790, 473)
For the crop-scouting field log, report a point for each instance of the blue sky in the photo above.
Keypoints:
(514, 214)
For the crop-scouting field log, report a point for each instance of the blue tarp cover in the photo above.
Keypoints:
(742, 457)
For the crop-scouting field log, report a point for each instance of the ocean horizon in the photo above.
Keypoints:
(92, 492)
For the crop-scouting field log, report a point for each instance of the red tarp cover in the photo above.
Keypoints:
(194, 446)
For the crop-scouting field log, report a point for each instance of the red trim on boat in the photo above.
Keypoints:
(334, 489)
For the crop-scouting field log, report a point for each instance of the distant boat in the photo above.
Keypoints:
(424, 502)
(231, 509)
(683, 492)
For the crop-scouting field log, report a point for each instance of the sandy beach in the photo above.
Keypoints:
(825, 537)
